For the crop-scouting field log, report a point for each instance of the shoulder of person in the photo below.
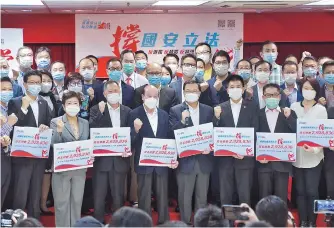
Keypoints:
(321, 107)
(163, 112)
(204, 106)
(295, 105)
(55, 120)
(83, 121)
(126, 108)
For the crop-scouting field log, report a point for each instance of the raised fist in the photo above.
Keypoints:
(26, 100)
(137, 124)
(60, 126)
(185, 114)
(102, 106)
(218, 111)
(12, 119)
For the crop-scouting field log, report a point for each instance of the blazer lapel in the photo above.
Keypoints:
(41, 113)
(106, 116)
(146, 121)
(185, 107)
(68, 126)
(243, 115)
(160, 122)
(162, 97)
(81, 129)
(122, 116)
(202, 115)
(279, 123)
(179, 89)
(229, 115)
(265, 121)
(256, 95)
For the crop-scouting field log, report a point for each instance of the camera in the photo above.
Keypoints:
(233, 212)
(324, 206)
(6, 217)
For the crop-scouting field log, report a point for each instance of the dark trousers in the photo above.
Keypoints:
(241, 179)
(28, 177)
(5, 175)
(214, 183)
(329, 175)
(101, 180)
(273, 183)
(160, 184)
(307, 183)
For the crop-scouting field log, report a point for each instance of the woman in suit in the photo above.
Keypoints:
(68, 186)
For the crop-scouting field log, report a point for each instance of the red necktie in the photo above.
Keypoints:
(128, 80)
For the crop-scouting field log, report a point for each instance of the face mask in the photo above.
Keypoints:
(76, 89)
(72, 110)
(34, 89)
(151, 102)
(191, 97)
(165, 80)
(115, 75)
(173, 67)
(128, 68)
(113, 98)
(26, 62)
(4, 73)
(43, 63)
(235, 93)
(245, 74)
(87, 74)
(141, 64)
(153, 79)
(199, 75)
(270, 57)
(46, 87)
(290, 78)
(308, 94)
(220, 69)
(204, 57)
(262, 77)
(272, 102)
(189, 71)
(58, 76)
(329, 78)
(310, 72)
(6, 96)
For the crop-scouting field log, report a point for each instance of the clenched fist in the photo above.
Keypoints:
(5, 141)
(90, 92)
(12, 119)
(239, 44)
(185, 114)
(60, 126)
(218, 85)
(204, 86)
(287, 112)
(322, 101)
(218, 111)
(137, 125)
(3, 119)
(26, 100)
(102, 106)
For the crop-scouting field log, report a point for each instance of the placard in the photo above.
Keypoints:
(276, 147)
(73, 155)
(315, 132)
(194, 140)
(158, 152)
(29, 142)
(230, 141)
(111, 141)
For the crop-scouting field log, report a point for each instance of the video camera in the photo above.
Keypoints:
(6, 217)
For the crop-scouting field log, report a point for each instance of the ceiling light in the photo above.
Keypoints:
(81, 10)
(321, 3)
(26, 10)
(21, 3)
(66, 10)
(111, 10)
(179, 3)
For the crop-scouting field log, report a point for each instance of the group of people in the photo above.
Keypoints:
(154, 100)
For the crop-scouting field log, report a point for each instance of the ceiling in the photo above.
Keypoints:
(146, 6)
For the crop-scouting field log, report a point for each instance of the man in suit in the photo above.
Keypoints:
(4, 67)
(236, 171)
(109, 170)
(274, 176)
(193, 173)
(327, 90)
(167, 96)
(31, 111)
(148, 121)
(189, 67)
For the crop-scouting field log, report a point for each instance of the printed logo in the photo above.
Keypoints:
(249, 151)
(331, 143)
(44, 153)
(291, 157)
(37, 137)
(78, 149)
(321, 127)
(115, 136)
(164, 147)
(211, 147)
(199, 133)
(126, 149)
(280, 141)
(238, 135)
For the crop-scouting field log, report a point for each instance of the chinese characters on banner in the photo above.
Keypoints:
(158, 152)
(29, 142)
(73, 155)
(111, 141)
(315, 132)
(229, 141)
(276, 147)
(194, 140)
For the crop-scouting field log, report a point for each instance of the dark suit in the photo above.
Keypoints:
(167, 98)
(273, 177)
(28, 172)
(237, 172)
(17, 90)
(299, 94)
(220, 96)
(193, 173)
(255, 98)
(148, 174)
(108, 170)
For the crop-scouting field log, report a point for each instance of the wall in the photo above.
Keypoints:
(280, 27)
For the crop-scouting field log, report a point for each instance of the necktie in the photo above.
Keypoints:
(128, 80)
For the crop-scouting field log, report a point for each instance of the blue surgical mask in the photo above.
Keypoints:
(58, 76)
(310, 72)
(141, 64)
(6, 96)
(199, 75)
(128, 68)
(87, 74)
(115, 75)
(165, 80)
(154, 79)
(329, 78)
(34, 89)
(4, 73)
(43, 63)
(245, 74)
(270, 57)
(272, 102)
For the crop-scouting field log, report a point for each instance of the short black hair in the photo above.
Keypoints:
(203, 43)
(273, 210)
(41, 49)
(70, 94)
(271, 85)
(235, 77)
(92, 57)
(171, 55)
(126, 51)
(74, 76)
(28, 222)
(168, 69)
(254, 57)
(58, 61)
(31, 73)
(113, 59)
(88, 59)
(210, 216)
(174, 223)
(289, 63)
(243, 60)
(291, 55)
(191, 82)
(315, 85)
(327, 64)
(109, 82)
(188, 56)
(309, 58)
(6, 79)
(200, 60)
(223, 54)
(267, 42)
(141, 52)
(258, 224)
(263, 62)
(130, 217)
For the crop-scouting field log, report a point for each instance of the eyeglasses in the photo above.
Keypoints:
(154, 73)
(271, 95)
(189, 65)
(203, 52)
(113, 69)
(75, 84)
(33, 83)
(187, 91)
(221, 63)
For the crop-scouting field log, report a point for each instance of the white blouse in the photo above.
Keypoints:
(309, 159)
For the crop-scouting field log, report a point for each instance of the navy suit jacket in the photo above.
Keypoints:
(147, 132)
(329, 155)
(186, 165)
(17, 90)
(299, 95)
(221, 96)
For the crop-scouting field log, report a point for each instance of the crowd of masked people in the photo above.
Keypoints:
(154, 100)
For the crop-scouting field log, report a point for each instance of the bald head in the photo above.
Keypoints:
(154, 68)
(150, 91)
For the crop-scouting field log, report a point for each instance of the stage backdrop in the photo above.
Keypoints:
(106, 35)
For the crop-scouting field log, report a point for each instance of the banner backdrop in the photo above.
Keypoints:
(106, 35)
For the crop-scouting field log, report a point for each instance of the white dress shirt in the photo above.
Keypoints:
(35, 110)
(262, 104)
(236, 107)
(137, 80)
(293, 95)
(194, 114)
(153, 119)
(272, 115)
(115, 115)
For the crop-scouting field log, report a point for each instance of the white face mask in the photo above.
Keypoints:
(309, 94)
(72, 110)
(87, 74)
(46, 87)
(235, 93)
(262, 77)
(221, 69)
(173, 67)
(151, 102)
(189, 71)
(205, 57)
(76, 89)
(191, 97)
(113, 98)
(26, 61)
(290, 78)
